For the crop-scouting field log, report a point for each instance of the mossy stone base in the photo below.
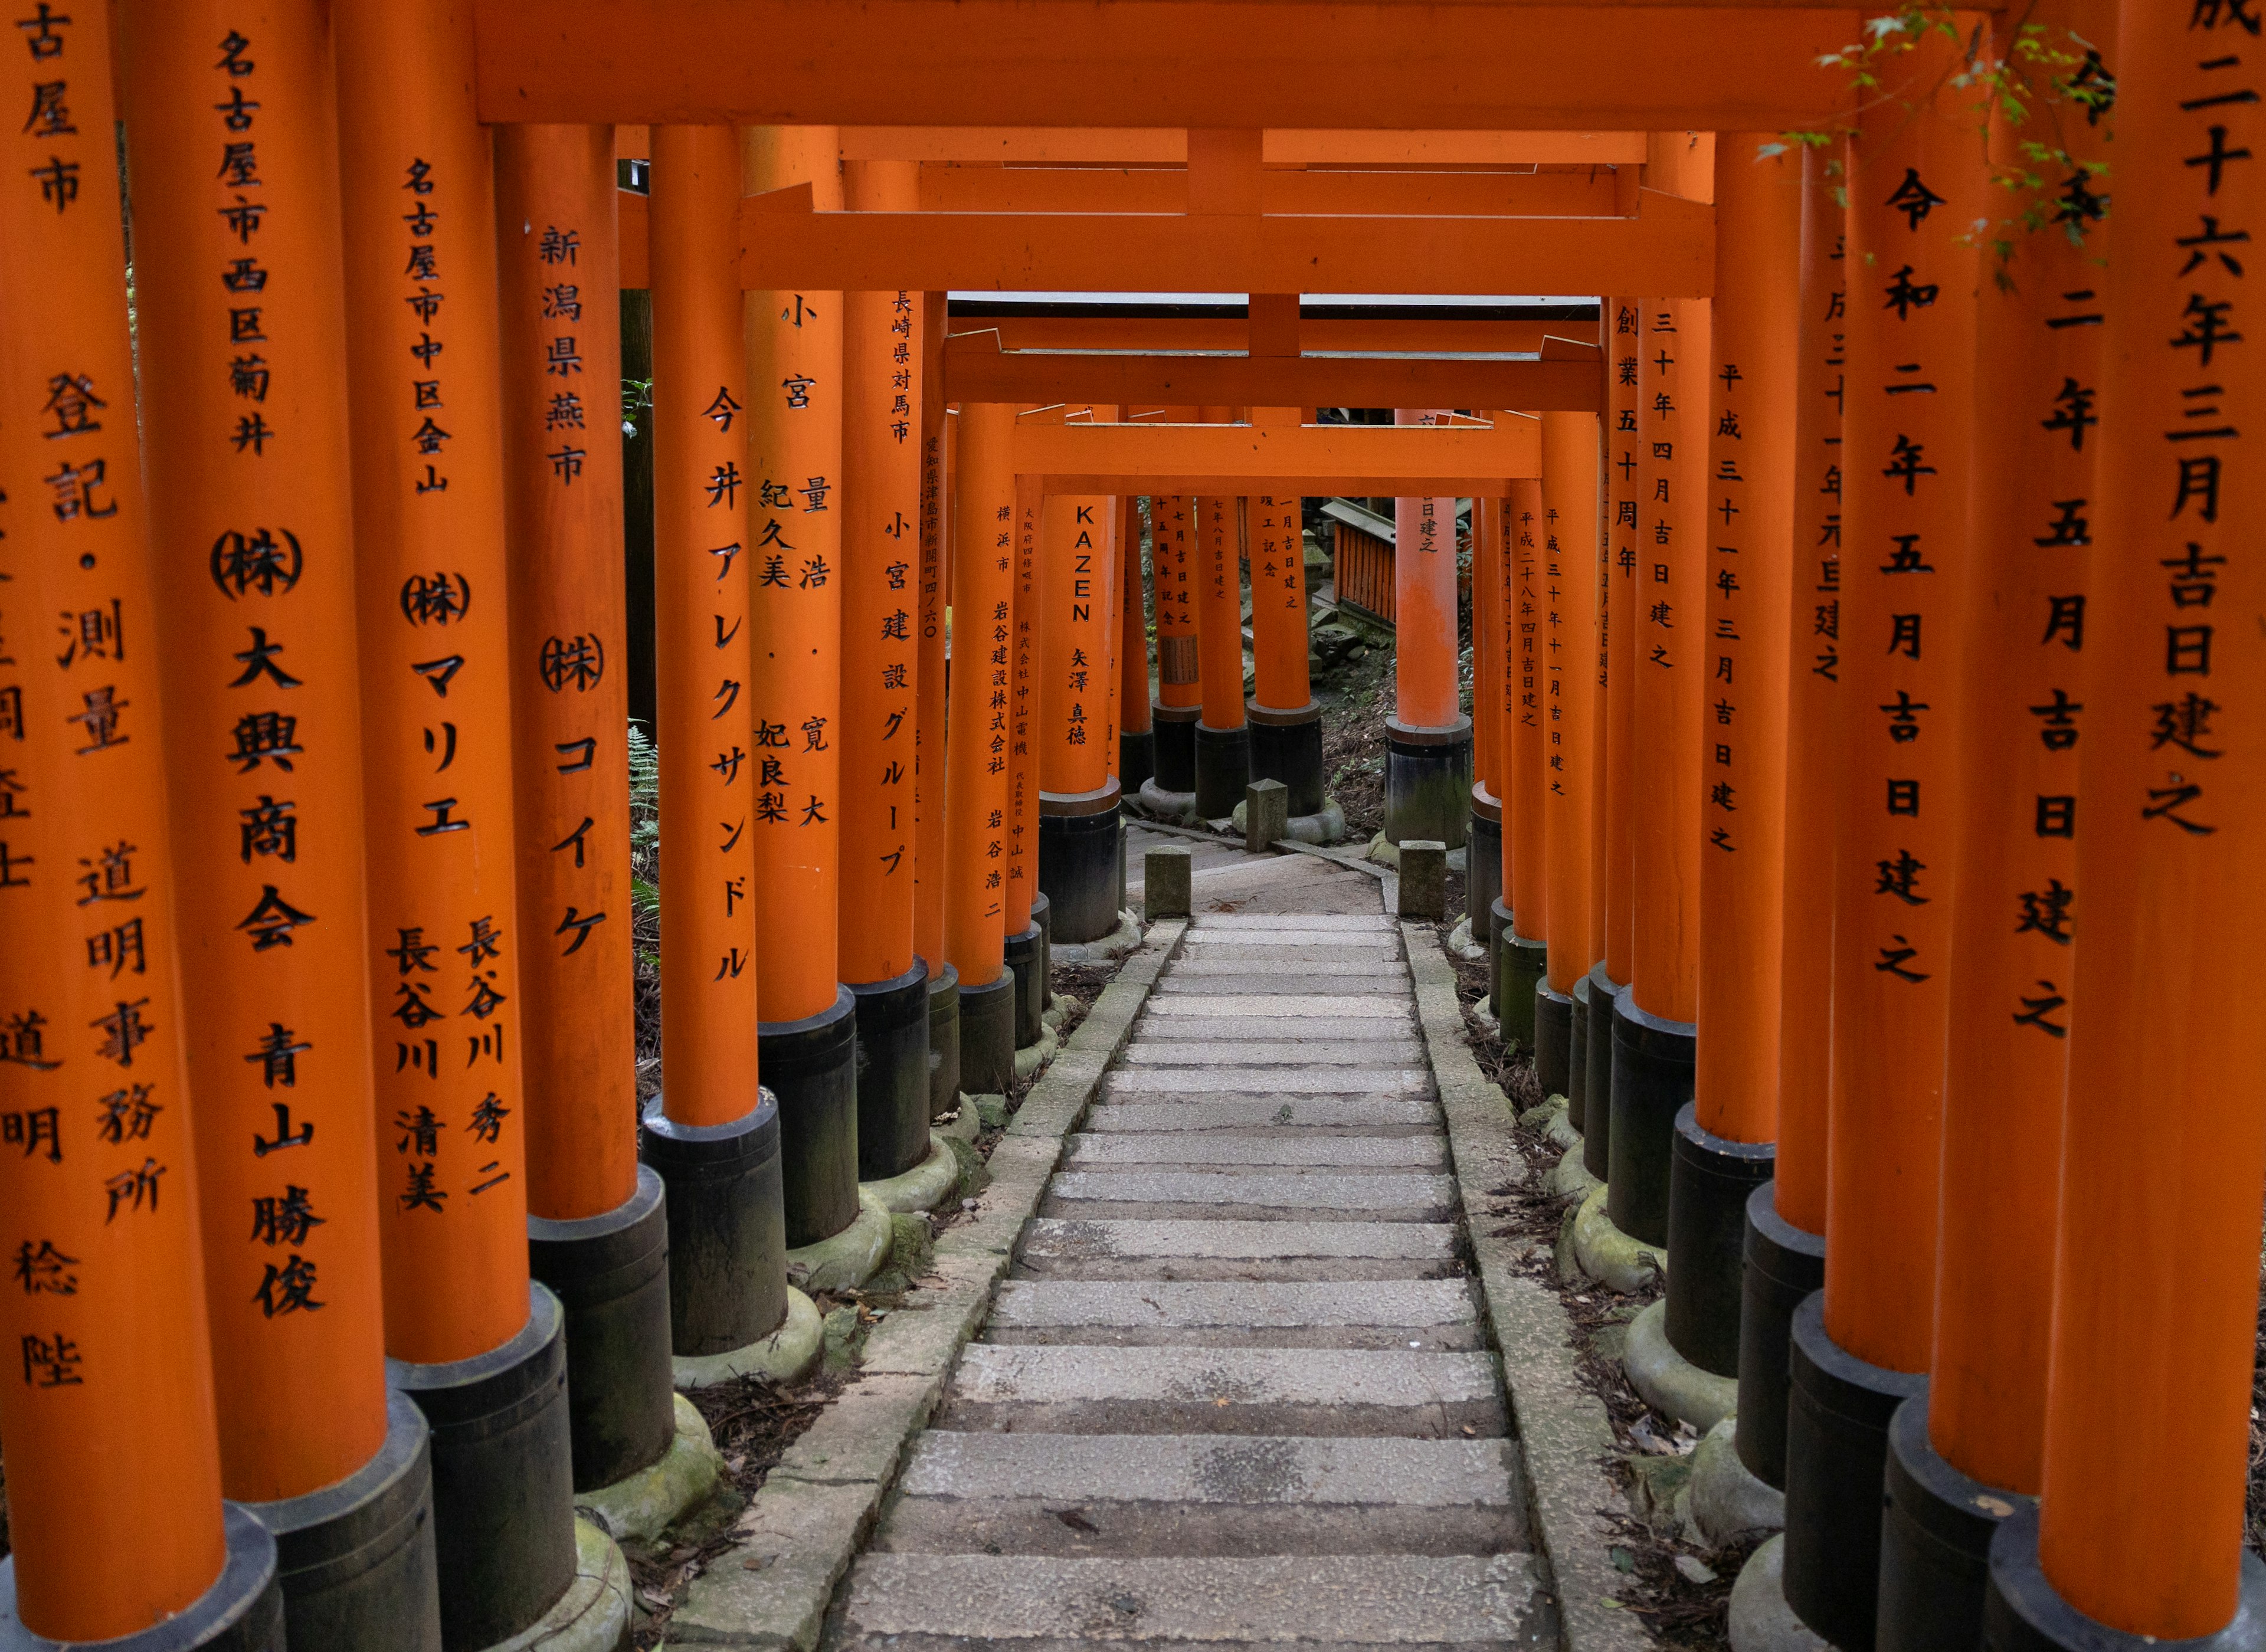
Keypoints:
(594, 1614)
(647, 1503)
(1670, 1382)
(1124, 938)
(1760, 1620)
(1728, 1501)
(1029, 1059)
(1611, 1257)
(847, 1259)
(925, 1187)
(783, 1356)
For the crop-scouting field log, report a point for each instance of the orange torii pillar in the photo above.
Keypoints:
(1522, 952)
(246, 444)
(1655, 1015)
(1427, 739)
(1966, 1453)
(1223, 742)
(795, 446)
(1024, 915)
(2138, 1537)
(1861, 1346)
(1599, 574)
(713, 1131)
(1483, 857)
(1174, 530)
(597, 1226)
(975, 748)
(1573, 520)
(1622, 325)
(1285, 719)
(119, 1531)
(1483, 884)
(1722, 1146)
(1078, 797)
(880, 600)
(1137, 739)
(930, 869)
(472, 1337)
(1784, 1249)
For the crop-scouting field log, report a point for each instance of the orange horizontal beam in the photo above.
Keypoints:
(1313, 65)
(1587, 193)
(1363, 460)
(1168, 146)
(975, 369)
(1422, 336)
(1672, 248)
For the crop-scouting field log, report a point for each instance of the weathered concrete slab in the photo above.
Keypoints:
(1079, 1389)
(1313, 949)
(1320, 1006)
(1063, 1240)
(1394, 1195)
(1276, 983)
(1417, 1304)
(1216, 922)
(1117, 1150)
(1206, 943)
(1269, 1028)
(1204, 1468)
(1252, 1052)
(1377, 1113)
(1393, 973)
(897, 1600)
(1209, 1081)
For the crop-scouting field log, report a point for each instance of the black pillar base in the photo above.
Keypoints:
(1174, 742)
(1577, 1056)
(1935, 1542)
(1553, 1038)
(943, 1042)
(1482, 860)
(1428, 783)
(243, 1611)
(1784, 1264)
(1498, 919)
(1653, 1061)
(1520, 963)
(1597, 1107)
(1709, 1179)
(1222, 770)
(1287, 746)
(811, 1065)
(987, 1036)
(503, 1477)
(1837, 1454)
(1137, 757)
(1078, 862)
(726, 1226)
(355, 1558)
(610, 1275)
(891, 1022)
(1022, 960)
(2023, 1611)
(1042, 914)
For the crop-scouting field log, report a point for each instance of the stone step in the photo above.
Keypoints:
(1377, 1113)
(1383, 1195)
(1435, 1315)
(1321, 1007)
(1225, 923)
(1277, 983)
(1406, 1052)
(1205, 1494)
(1286, 931)
(1286, 1149)
(1249, 948)
(1091, 1389)
(1142, 1083)
(1231, 1029)
(929, 1603)
(1395, 973)
(1055, 1247)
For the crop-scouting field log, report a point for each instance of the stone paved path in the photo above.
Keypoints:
(1236, 1389)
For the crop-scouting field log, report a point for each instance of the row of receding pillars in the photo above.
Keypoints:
(343, 1259)
(1871, 782)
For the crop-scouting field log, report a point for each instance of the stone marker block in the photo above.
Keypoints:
(1266, 815)
(1165, 886)
(1423, 880)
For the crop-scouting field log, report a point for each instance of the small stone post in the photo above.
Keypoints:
(1423, 880)
(1165, 890)
(1266, 815)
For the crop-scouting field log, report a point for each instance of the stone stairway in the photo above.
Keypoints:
(1236, 1389)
